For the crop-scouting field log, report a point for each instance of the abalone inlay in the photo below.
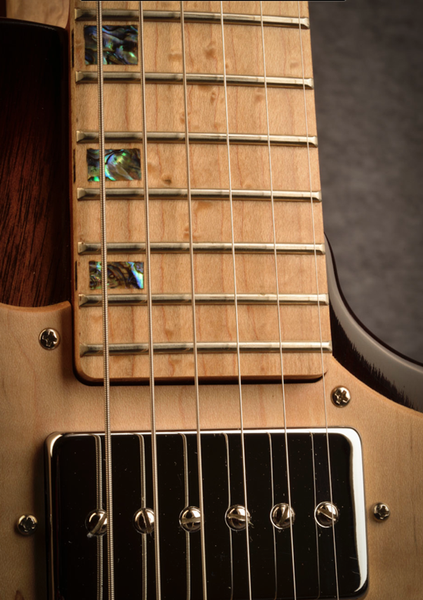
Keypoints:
(120, 45)
(120, 165)
(119, 275)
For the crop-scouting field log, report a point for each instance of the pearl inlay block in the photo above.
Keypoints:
(120, 45)
(119, 275)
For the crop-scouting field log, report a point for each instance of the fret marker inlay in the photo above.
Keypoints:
(119, 275)
(121, 165)
(120, 45)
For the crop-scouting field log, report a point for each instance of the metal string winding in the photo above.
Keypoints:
(99, 497)
(318, 301)
(147, 270)
(288, 475)
(272, 487)
(238, 353)
(194, 320)
(228, 467)
(143, 505)
(105, 310)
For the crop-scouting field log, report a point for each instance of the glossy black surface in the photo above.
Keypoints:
(73, 495)
(394, 376)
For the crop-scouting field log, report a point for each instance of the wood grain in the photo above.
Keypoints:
(43, 11)
(34, 203)
(250, 169)
(57, 12)
(41, 396)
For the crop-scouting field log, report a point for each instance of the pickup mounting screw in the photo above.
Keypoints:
(282, 516)
(341, 396)
(326, 514)
(190, 519)
(49, 339)
(381, 511)
(27, 524)
(236, 517)
(96, 523)
(144, 520)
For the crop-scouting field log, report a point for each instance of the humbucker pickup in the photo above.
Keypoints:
(314, 531)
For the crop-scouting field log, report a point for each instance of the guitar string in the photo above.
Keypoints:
(316, 527)
(105, 311)
(288, 474)
(238, 353)
(144, 557)
(231, 550)
(272, 487)
(194, 319)
(147, 271)
(318, 301)
(187, 503)
(99, 502)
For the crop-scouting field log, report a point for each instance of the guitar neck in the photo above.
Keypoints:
(258, 201)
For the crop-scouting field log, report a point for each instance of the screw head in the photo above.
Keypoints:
(49, 339)
(326, 514)
(190, 519)
(144, 520)
(282, 516)
(27, 524)
(341, 396)
(96, 523)
(381, 511)
(237, 516)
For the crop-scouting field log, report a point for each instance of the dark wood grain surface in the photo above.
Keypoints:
(34, 179)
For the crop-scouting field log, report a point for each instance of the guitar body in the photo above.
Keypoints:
(41, 394)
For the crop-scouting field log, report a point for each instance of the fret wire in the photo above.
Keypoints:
(318, 313)
(200, 247)
(193, 17)
(132, 348)
(135, 193)
(238, 352)
(194, 320)
(174, 137)
(147, 275)
(288, 475)
(86, 77)
(105, 316)
(134, 299)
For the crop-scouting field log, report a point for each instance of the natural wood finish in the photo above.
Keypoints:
(57, 12)
(34, 199)
(42, 11)
(41, 396)
(289, 9)
(209, 169)
(168, 221)
(249, 167)
(206, 109)
(204, 50)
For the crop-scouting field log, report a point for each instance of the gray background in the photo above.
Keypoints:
(368, 67)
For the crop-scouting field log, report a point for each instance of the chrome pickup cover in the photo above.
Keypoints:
(78, 562)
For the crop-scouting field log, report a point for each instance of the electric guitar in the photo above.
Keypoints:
(185, 431)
